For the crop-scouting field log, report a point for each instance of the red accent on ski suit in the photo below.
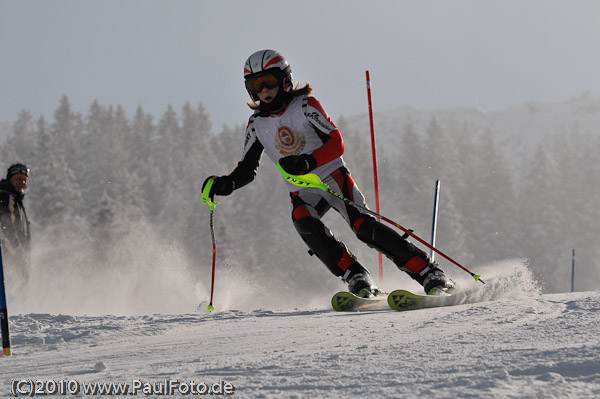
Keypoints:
(334, 147)
(416, 264)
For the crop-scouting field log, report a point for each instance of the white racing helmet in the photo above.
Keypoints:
(263, 63)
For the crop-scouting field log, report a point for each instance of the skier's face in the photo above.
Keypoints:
(19, 182)
(267, 95)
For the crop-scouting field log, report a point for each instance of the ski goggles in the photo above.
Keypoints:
(257, 84)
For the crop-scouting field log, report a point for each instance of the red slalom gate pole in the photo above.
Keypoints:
(375, 174)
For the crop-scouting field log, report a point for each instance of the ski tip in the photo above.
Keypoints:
(210, 307)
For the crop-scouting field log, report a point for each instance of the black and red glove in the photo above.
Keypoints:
(222, 186)
(298, 164)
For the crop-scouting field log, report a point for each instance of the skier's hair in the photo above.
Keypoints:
(305, 89)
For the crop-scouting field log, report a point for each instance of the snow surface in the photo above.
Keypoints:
(515, 344)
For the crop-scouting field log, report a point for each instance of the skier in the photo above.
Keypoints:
(292, 128)
(14, 226)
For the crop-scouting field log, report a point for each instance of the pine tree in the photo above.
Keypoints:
(142, 165)
(575, 152)
(410, 197)
(197, 162)
(463, 187)
(139, 143)
(167, 144)
(103, 222)
(443, 164)
(67, 129)
(22, 143)
(94, 145)
(494, 203)
(57, 194)
(541, 218)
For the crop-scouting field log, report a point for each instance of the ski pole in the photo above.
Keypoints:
(3, 310)
(312, 180)
(209, 201)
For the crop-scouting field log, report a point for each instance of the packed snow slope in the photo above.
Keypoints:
(510, 342)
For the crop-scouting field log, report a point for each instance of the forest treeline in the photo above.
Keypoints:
(100, 177)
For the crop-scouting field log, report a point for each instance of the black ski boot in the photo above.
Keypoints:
(362, 285)
(436, 283)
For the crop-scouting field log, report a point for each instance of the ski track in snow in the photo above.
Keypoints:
(511, 343)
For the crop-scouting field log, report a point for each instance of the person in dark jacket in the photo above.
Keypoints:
(14, 226)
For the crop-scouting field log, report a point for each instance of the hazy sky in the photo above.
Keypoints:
(426, 53)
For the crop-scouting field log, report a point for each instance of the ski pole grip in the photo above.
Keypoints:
(206, 194)
(308, 180)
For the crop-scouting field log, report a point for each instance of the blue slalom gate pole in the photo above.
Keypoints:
(434, 222)
(3, 310)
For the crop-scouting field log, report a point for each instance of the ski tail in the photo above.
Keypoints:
(345, 301)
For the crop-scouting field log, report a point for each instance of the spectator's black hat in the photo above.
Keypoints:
(16, 169)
